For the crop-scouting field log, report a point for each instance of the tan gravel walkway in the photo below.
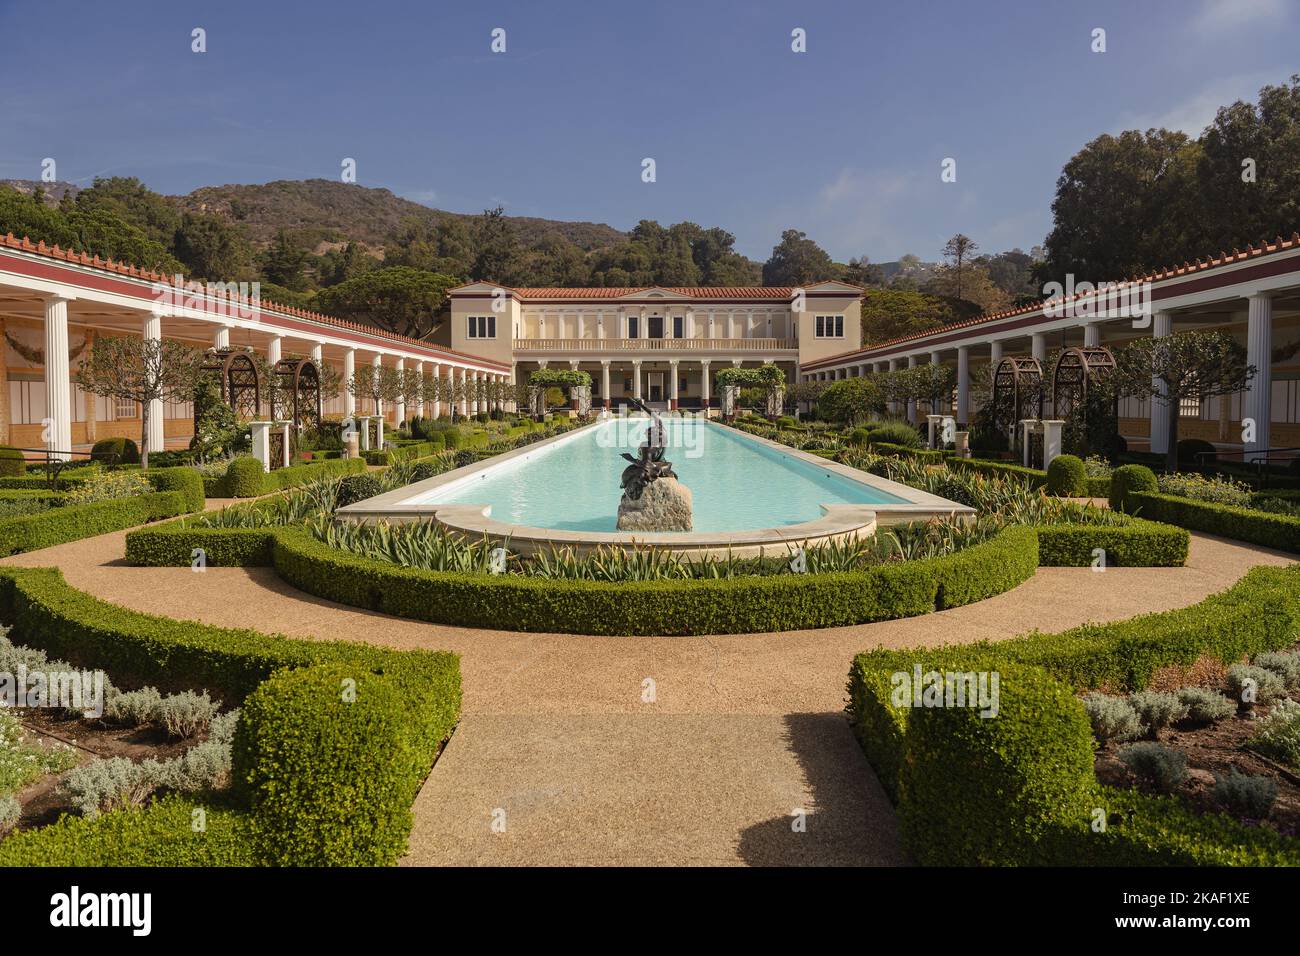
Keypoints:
(682, 750)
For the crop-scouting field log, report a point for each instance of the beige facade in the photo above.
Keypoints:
(660, 345)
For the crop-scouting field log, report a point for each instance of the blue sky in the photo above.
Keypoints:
(844, 141)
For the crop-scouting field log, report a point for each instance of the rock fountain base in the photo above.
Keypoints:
(664, 505)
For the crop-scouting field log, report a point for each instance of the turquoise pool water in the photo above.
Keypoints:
(736, 483)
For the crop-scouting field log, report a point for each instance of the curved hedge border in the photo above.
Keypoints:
(73, 522)
(1261, 612)
(417, 700)
(282, 478)
(1241, 524)
(1138, 544)
(737, 606)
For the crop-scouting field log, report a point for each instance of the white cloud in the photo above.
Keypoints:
(1216, 16)
(1195, 112)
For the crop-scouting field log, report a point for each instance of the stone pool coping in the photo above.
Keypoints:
(838, 521)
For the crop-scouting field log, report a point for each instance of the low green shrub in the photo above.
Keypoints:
(180, 543)
(117, 451)
(975, 790)
(1250, 796)
(1137, 544)
(1251, 684)
(1067, 477)
(1241, 524)
(1156, 710)
(1278, 734)
(12, 462)
(859, 437)
(185, 480)
(1155, 766)
(244, 478)
(1202, 706)
(74, 522)
(160, 834)
(356, 488)
(1285, 664)
(697, 606)
(1128, 480)
(894, 433)
(1000, 469)
(321, 755)
(1112, 718)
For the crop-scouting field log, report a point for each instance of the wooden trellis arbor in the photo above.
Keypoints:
(241, 385)
(1017, 394)
(1081, 399)
(1079, 371)
(297, 393)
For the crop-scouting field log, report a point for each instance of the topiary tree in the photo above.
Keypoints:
(851, 401)
(12, 462)
(1127, 479)
(1186, 366)
(767, 378)
(143, 370)
(117, 451)
(1067, 477)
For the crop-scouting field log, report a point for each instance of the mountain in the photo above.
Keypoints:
(333, 212)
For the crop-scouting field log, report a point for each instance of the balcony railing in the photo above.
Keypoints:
(654, 345)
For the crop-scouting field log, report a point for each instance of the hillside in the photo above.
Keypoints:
(339, 211)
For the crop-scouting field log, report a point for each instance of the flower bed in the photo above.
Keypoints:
(317, 783)
(943, 766)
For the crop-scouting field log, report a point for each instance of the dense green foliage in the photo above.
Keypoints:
(116, 451)
(73, 522)
(1067, 477)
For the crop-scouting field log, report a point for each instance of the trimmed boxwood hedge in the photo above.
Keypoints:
(320, 755)
(1241, 524)
(1261, 612)
(73, 522)
(1140, 543)
(740, 605)
(159, 834)
(1094, 487)
(252, 485)
(173, 544)
(420, 698)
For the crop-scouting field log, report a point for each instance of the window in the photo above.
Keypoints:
(126, 408)
(482, 326)
(631, 327)
(679, 326)
(830, 326)
(655, 325)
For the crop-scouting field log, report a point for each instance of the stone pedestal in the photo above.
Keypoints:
(664, 505)
(962, 444)
(934, 425)
(363, 431)
(286, 444)
(261, 434)
(1052, 437)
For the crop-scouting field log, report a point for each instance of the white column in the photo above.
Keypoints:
(1038, 347)
(378, 362)
(401, 402)
(419, 370)
(349, 368)
(636, 380)
(911, 402)
(273, 350)
(317, 352)
(706, 388)
(604, 382)
(58, 379)
(1091, 335)
(672, 385)
(1257, 404)
(221, 337)
(473, 378)
(995, 353)
(463, 378)
(963, 385)
(1162, 326)
(152, 331)
(688, 324)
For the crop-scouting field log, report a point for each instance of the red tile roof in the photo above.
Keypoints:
(1170, 272)
(695, 292)
(95, 262)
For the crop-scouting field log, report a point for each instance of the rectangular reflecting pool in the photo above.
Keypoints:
(737, 482)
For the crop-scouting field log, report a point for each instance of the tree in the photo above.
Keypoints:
(861, 271)
(400, 299)
(957, 251)
(283, 264)
(141, 370)
(1187, 366)
(497, 244)
(379, 383)
(796, 261)
(851, 401)
(1124, 204)
(212, 250)
(891, 313)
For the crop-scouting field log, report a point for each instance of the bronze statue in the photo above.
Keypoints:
(650, 466)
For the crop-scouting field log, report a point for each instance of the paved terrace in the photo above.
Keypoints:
(744, 729)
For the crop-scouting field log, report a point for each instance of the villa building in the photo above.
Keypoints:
(661, 345)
